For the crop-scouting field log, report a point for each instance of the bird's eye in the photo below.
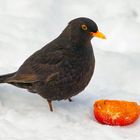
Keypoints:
(84, 27)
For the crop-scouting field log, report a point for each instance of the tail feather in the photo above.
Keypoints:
(4, 77)
(28, 86)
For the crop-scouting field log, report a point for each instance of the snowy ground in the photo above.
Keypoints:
(27, 25)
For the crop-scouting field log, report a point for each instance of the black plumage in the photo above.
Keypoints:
(63, 67)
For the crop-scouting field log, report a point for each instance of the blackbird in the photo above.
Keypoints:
(63, 67)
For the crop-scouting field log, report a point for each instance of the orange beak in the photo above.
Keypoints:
(98, 34)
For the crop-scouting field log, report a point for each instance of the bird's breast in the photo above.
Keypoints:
(78, 70)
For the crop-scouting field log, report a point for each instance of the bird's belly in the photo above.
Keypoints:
(84, 77)
(69, 84)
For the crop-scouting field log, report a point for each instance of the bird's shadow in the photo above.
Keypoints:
(18, 99)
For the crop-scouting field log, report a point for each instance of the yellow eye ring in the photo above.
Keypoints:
(84, 27)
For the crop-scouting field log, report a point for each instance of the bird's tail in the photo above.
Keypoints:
(3, 78)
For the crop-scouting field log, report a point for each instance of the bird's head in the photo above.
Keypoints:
(84, 28)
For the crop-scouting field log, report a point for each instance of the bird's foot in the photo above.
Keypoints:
(50, 105)
(70, 100)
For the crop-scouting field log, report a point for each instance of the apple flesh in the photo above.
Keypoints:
(114, 112)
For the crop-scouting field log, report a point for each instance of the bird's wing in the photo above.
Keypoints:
(23, 78)
(38, 67)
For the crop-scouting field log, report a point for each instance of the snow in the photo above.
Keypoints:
(28, 25)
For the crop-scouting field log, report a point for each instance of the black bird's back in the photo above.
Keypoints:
(61, 69)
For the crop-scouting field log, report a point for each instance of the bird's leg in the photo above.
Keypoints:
(50, 105)
(70, 100)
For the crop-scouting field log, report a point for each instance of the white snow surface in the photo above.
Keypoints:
(27, 25)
